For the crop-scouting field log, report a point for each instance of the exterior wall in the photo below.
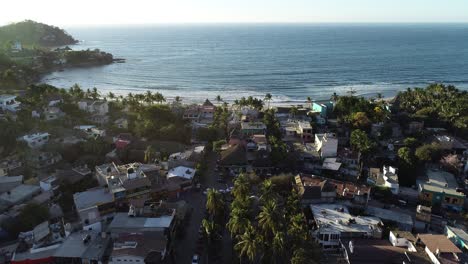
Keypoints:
(397, 242)
(460, 243)
(432, 256)
(441, 199)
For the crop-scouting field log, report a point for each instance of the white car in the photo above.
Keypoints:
(195, 259)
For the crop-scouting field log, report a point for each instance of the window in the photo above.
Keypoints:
(454, 200)
(447, 199)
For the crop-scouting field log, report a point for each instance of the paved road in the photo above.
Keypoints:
(185, 248)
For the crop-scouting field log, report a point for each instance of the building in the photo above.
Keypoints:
(7, 183)
(91, 131)
(143, 247)
(333, 223)
(192, 113)
(260, 142)
(388, 178)
(358, 194)
(42, 159)
(35, 140)
(315, 190)
(53, 113)
(440, 188)
(94, 107)
(181, 176)
(93, 206)
(322, 108)
(458, 236)
(49, 184)
(440, 249)
(234, 158)
(327, 144)
(252, 128)
(54, 100)
(207, 110)
(304, 130)
(371, 251)
(404, 221)
(126, 181)
(130, 223)
(9, 103)
(84, 246)
(20, 194)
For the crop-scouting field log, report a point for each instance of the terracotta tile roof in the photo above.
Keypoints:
(438, 242)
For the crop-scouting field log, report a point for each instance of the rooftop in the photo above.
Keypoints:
(139, 244)
(75, 247)
(92, 197)
(440, 181)
(390, 215)
(438, 243)
(336, 218)
(122, 220)
(10, 179)
(19, 193)
(363, 251)
(182, 172)
(331, 164)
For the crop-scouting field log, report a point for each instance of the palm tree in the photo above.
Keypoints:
(249, 244)
(238, 221)
(268, 98)
(158, 97)
(241, 186)
(278, 245)
(95, 94)
(309, 101)
(267, 191)
(218, 98)
(178, 99)
(334, 97)
(149, 98)
(269, 218)
(214, 203)
(379, 96)
(351, 92)
(111, 95)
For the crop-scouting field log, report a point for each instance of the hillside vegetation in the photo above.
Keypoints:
(32, 33)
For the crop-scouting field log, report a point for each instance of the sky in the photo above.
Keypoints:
(108, 12)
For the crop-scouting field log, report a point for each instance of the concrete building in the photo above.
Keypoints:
(440, 249)
(93, 206)
(129, 223)
(94, 107)
(7, 183)
(304, 130)
(9, 103)
(404, 221)
(322, 108)
(327, 144)
(334, 223)
(458, 236)
(126, 181)
(20, 194)
(441, 188)
(252, 128)
(143, 247)
(35, 140)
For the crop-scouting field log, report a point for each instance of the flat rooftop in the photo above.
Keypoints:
(336, 218)
(440, 181)
(74, 247)
(122, 220)
(19, 193)
(390, 215)
(92, 197)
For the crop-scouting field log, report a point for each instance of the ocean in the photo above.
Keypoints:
(290, 61)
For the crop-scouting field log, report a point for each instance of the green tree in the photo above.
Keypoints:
(269, 218)
(215, 204)
(427, 152)
(360, 141)
(406, 155)
(268, 98)
(249, 244)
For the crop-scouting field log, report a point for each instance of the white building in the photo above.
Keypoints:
(94, 107)
(391, 179)
(181, 172)
(8, 102)
(334, 222)
(304, 130)
(36, 140)
(327, 144)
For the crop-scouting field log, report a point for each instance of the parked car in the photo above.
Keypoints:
(195, 259)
